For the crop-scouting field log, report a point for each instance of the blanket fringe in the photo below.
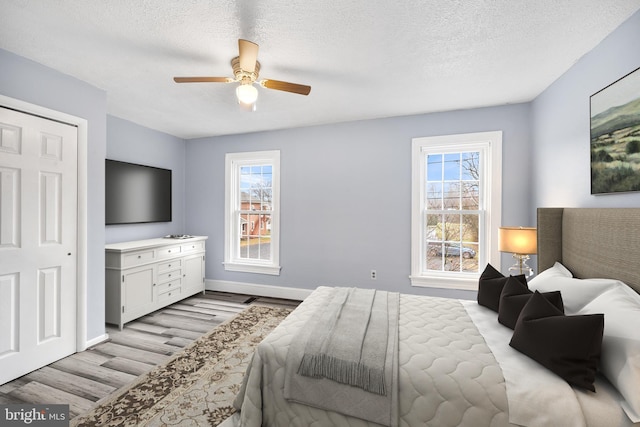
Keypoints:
(345, 372)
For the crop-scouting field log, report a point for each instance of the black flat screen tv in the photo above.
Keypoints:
(136, 193)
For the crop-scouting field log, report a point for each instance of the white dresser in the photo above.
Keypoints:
(145, 275)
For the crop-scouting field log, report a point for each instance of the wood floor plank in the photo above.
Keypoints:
(83, 387)
(90, 356)
(6, 399)
(136, 354)
(227, 296)
(38, 393)
(180, 342)
(195, 309)
(141, 325)
(128, 366)
(183, 333)
(182, 323)
(80, 368)
(219, 310)
(133, 334)
(12, 385)
(190, 314)
(218, 303)
(150, 346)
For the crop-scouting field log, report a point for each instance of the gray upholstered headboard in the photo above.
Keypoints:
(591, 242)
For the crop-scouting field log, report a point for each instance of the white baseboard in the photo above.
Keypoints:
(258, 290)
(97, 340)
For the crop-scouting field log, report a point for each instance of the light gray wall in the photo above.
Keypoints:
(31, 82)
(560, 124)
(129, 142)
(346, 195)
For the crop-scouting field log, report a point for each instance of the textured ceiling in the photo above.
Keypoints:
(363, 58)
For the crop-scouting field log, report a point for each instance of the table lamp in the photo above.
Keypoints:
(521, 242)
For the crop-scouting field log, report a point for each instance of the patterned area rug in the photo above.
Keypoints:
(198, 385)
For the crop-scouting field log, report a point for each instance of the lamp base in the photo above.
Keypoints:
(521, 267)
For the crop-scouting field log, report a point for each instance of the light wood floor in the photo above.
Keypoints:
(84, 379)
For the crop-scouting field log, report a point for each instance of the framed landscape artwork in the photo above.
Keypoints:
(615, 136)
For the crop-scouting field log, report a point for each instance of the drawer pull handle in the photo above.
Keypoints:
(169, 265)
(169, 251)
(169, 275)
(139, 256)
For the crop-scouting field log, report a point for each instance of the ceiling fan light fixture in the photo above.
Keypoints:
(247, 93)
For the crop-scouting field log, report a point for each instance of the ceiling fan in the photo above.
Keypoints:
(246, 69)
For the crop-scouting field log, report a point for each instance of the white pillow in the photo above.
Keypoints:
(620, 357)
(558, 270)
(576, 293)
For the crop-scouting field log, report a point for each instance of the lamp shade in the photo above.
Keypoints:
(247, 93)
(518, 240)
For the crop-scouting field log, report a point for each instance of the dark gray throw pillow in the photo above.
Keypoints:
(490, 287)
(566, 345)
(514, 297)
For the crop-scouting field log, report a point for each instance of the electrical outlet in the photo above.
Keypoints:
(374, 275)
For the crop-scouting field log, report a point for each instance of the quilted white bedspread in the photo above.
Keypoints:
(447, 374)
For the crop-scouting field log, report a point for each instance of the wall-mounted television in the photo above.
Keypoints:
(136, 193)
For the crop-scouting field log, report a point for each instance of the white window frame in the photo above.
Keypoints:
(490, 146)
(232, 225)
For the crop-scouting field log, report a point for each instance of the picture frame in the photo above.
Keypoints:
(615, 136)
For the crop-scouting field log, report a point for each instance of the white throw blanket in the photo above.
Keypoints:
(345, 358)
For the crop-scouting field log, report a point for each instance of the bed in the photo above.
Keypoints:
(454, 364)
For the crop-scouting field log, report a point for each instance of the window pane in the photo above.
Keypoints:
(452, 195)
(451, 227)
(470, 228)
(470, 195)
(434, 167)
(470, 258)
(471, 166)
(434, 195)
(452, 167)
(470, 239)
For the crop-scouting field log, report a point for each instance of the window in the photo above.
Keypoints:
(252, 212)
(456, 208)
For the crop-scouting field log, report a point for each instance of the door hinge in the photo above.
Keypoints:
(123, 278)
(123, 308)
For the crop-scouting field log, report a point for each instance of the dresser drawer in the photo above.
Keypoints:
(192, 247)
(169, 252)
(169, 286)
(169, 265)
(136, 258)
(169, 294)
(169, 276)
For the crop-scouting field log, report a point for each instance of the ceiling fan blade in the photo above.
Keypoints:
(203, 79)
(248, 55)
(286, 86)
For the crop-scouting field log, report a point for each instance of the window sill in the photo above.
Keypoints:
(273, 270)
(445, 282)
